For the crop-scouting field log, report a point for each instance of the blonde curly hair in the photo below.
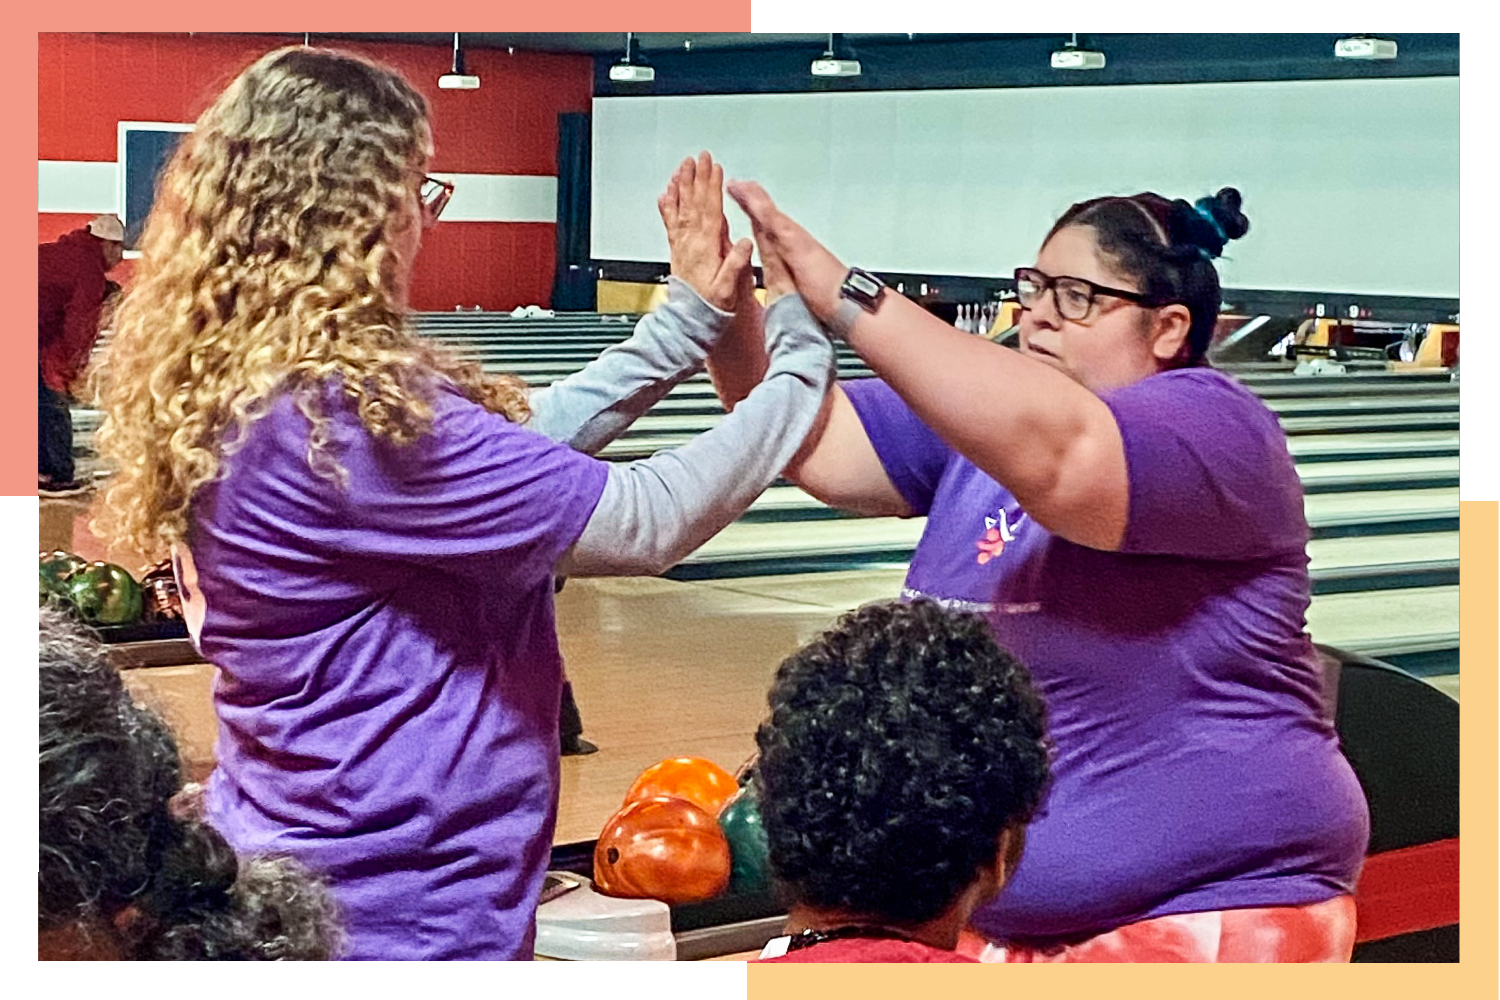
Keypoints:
(274, 259)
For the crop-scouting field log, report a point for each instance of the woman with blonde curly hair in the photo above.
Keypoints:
(365, 530)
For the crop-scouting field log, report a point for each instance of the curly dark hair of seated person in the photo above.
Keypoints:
(900, 744)
(113, 860)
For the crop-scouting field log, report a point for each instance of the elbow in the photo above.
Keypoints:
(650, 564)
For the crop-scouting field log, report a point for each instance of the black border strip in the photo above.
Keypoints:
(947, 289)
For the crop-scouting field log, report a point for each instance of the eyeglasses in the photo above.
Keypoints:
(435, 196)
(1074, 297)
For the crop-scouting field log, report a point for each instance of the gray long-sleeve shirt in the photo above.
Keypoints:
(655, 511)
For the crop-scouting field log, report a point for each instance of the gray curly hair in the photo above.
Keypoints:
(109, 840)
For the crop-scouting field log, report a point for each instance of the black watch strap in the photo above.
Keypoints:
(863, 288)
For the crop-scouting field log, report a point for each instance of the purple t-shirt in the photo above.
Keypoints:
(389, 673)
(1195, 769)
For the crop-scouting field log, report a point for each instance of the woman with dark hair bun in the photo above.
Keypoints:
(119, 874)
(1130, 522)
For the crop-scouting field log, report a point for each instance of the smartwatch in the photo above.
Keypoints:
(863, 289)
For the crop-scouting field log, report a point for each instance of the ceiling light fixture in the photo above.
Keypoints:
(839, 60)
(633, 67)
(1070, 56)
(1365, 47)
(458, 78)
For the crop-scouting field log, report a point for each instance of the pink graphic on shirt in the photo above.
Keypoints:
(998, 531)
(990, 546)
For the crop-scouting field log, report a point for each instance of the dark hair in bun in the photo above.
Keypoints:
(1208, 223)
(1169, 247)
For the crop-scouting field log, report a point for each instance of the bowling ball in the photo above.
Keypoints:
(662, 848)
(106, 594)
(750, 862)
(702, 782)
(53, 571)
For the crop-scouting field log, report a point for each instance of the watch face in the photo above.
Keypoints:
(864, 284)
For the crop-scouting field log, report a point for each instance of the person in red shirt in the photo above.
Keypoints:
(71, 290)
(904, 754)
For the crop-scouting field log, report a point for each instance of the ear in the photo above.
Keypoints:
(1008, 854)
(1169, 331)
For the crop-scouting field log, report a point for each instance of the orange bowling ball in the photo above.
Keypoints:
(702, 782)
(662, 848)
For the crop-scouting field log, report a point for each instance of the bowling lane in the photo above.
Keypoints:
(1341, 553)
(743, 541)
(837, 591)
(1354, 422)
(1392, 442)
(1302, 406)
(1391, 503)
(1383, 621)
(1404, 468)
(663, 669)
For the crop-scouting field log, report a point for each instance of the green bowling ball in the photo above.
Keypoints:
(750, 865)
(53, 571)
(106, 594)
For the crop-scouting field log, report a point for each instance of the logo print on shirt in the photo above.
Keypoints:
(997, 531)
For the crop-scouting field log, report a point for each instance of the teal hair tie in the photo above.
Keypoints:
(1203, 206)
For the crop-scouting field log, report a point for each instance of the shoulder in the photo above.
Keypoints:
(1193, 400)
(1200, 383)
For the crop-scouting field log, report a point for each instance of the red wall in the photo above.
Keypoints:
(91, 81)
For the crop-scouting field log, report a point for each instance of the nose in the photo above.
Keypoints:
(1042, 313)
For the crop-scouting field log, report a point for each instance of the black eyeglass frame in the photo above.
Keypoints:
(1049, 283)
(435, 195)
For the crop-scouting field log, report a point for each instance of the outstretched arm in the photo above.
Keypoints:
(656, 511)
(1050, 441)
(592, 407)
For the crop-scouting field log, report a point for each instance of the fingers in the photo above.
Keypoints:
(668, 203)
(715, 176)
(738, 256)
(751, 197)
(736, 265)
(766, 221)
(707, 186)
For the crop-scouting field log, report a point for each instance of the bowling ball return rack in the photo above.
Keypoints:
(148, 644)
(728, 924)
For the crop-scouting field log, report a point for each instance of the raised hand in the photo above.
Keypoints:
(692, 209)
(814, 272)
